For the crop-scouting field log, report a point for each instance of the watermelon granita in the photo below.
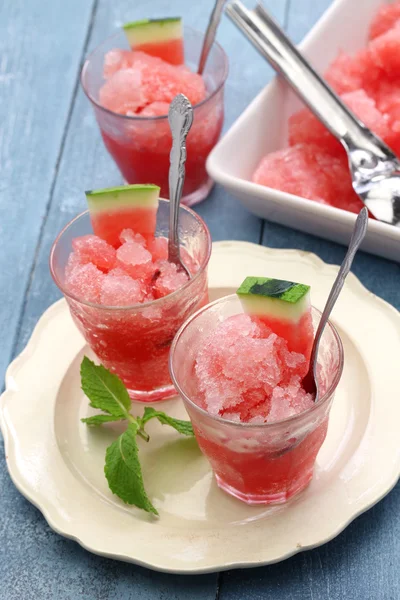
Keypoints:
(385, 19)
(305, 170)
(241, 382)
(369, 84)
(305, 128)
(125, 297)
(251, 365)
(131, 91)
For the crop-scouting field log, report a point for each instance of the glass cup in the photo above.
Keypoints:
(134, 341)
(141, 146)
(259, 464)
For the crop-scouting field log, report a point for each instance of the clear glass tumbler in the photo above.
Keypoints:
(259, 464)
(141, 146)
(134, 341)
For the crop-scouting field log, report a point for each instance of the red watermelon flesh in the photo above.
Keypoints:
(171, 51)
(158, 37)
(126, 207)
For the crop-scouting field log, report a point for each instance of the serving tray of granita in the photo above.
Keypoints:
(240, 466)
(284, 165)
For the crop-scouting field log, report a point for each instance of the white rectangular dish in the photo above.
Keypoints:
(262, 128)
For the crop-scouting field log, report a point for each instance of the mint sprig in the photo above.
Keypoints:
(104, 390)
(122, 468)
(100, 419)
(184, 427)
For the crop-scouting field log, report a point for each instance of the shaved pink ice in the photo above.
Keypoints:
(169, 279)
(158, 248)
(344, 74)
(246, 373)
(138, 82)
(304, 127)
(136, 272)
(91, 248)
(119, 289)
(369, 83)
(387, 16)
(351, 73)
(385, 51)
(155, 109)
(388, 101)
(83, 280)
(135, 260)
(116, 60)
(305, 170)
(127, 235)
(122, 93)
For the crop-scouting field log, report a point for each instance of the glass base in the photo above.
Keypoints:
(157, 395)
(277, 498)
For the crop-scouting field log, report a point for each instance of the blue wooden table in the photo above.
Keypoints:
(50, 151)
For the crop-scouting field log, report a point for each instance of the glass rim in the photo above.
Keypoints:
(158, 117)
(137, 306)
(274, 424)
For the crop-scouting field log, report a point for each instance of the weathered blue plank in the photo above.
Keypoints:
(41, 44)
(302, 14)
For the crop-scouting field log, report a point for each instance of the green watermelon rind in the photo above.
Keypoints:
(153, 30)
(275, 298)
(124, 197)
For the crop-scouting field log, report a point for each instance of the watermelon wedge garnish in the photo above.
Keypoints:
(158, 37)
(126, 207)
(284, 306)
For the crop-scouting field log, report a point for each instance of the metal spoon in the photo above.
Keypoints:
(210, 34)
(375, 169)
(310, 382)
(180, 117)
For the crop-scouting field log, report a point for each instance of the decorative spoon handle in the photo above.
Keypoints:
(210, 34)
(180, 117)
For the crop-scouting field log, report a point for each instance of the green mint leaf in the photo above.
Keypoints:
(100, 419)
(123, 470)
(104, 389)
(184, 427)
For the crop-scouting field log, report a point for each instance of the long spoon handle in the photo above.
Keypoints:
(359, 231)
(210, 34)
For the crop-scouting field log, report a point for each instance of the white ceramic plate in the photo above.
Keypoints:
(57, 462)
(262, 128)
